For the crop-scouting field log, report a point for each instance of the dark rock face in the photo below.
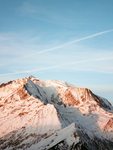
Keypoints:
(100, 102)
(5, 84)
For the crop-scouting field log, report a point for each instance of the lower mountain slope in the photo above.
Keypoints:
(52, 114)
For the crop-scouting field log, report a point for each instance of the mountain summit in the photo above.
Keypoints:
(53, 115)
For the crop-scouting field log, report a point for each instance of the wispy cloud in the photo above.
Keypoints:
(60, 46)
(41, 12)
(58, 66)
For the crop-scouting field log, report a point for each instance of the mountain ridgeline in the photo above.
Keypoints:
(53, 115)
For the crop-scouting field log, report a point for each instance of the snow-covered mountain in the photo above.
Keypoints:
(42, 115)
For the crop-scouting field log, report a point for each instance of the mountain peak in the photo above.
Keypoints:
(50, 114)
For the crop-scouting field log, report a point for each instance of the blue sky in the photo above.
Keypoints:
(69, 40)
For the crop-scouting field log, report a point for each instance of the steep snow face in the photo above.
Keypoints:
(33, 111)
(20, 109)
(73, 137)
(92, 107)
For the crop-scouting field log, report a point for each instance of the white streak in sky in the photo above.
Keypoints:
(57, 66)
(60, 46)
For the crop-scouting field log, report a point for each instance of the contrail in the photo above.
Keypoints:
(63, 45)
(56, 66)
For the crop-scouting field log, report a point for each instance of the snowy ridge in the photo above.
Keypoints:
(33, 112)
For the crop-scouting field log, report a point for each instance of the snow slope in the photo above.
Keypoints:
(37, 114)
